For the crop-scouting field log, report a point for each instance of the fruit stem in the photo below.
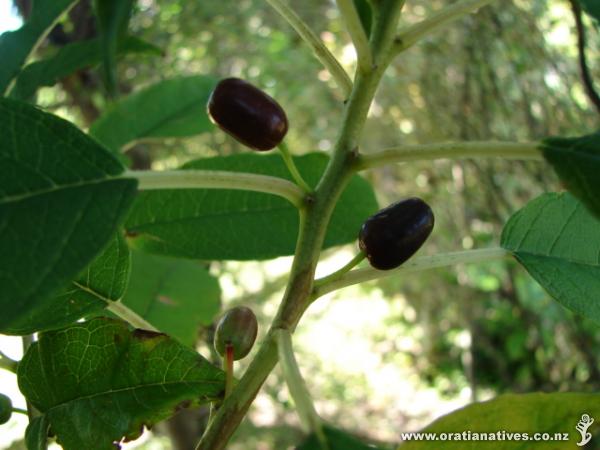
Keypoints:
(321, 52)
(214, 179)
(291, 165)
(358, 35)
(129, 316)
(411, 35)
(310, 420)
(341, 272)
(228, 367)
(450, 150)
(8, 363)
(20, 411)
(415, 265)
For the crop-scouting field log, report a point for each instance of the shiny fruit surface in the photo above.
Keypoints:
(237, 327)
(394, 234)
(248, 114)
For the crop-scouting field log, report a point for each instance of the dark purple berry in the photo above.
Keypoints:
(395, 233)
(248, 114)
(236, 328)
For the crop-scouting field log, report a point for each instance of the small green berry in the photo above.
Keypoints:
(236, 328)
(5, 409)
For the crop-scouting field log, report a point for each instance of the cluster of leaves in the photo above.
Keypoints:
(71, 213)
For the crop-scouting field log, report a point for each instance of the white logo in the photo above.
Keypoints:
(584, 423)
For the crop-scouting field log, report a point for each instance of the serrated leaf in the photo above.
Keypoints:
(365, 13)
(69, 59)
(60, 204)
(113, 18)
(170, 108)
(525, 413)
(36, 435)
(239, 225)
(592, 7)
(558, 241)
(336, 440)
(15, 46)
(98, 382)
(577, 163)
(176, 296)
(104, 280)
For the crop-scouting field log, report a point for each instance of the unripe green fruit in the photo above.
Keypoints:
(5, 409)
(238, 328)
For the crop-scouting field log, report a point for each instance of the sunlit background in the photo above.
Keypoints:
(388, 356)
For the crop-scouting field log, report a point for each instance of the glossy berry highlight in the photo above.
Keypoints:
(237, 328)
(248, 114)
(395, 233)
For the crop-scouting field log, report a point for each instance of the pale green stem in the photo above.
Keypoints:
(214, 179)
(7, 363)
(291, 165)
(411, 35)
(321, 52)
(20, 411)
(415, 265)
(451, 150)
(341, 272)
(133, 318)
(358, 35)
(309, 418)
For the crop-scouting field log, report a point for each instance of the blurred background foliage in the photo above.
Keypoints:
(388, 356)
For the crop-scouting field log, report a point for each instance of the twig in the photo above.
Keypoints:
(451, 150)
(321, 52)
(586, 77)
(415, 265)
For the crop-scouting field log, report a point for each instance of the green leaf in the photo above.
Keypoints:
(336, 440)
(98, 382)
(104, 280)
(240, 225)
(365, 13)
(36, 435)
(60, 204)
(170, 108)
(176, 296)
(69, 59)
(592, 7)
(558, 241)
(577, 163)
(526, 413)
(15, 46)
(113, 18)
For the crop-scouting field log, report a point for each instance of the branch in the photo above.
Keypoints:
(586, 77)
(7, 363)
(129, 316)
(313, 227)
(309, 418)
(451, 150)
(411, 35)
(415, 265)
(213, 179)
(321, 52)
(357, 33)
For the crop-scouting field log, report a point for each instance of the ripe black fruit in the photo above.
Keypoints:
(238, 328)
(395, 233)
(248, 114)
(5, 409)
